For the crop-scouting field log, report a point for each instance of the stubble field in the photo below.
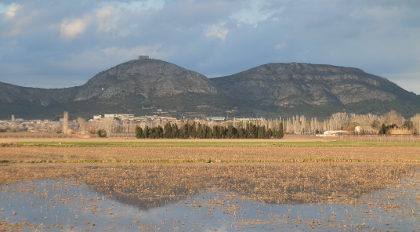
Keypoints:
(221, 184)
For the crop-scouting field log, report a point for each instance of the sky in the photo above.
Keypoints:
(61, 43)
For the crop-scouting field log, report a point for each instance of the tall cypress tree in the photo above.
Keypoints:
(207, 131)
(146, 132)
(139, 132)
(254, 131)
(186, 134)
(200, 133)
(175, 131)
(261, 132)
(269, 133)
(241, 133)
(279, 132)
(198, 130)
(159, 132)
(167, 131)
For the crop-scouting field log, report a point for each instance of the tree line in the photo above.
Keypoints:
(387, 129)
(369, 123)
(198, 130)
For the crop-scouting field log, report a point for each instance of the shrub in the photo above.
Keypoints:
(101, 133)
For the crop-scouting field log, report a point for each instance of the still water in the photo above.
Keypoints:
(61, 205)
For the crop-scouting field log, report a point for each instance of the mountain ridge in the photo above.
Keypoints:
(283, 86)
(268, 90)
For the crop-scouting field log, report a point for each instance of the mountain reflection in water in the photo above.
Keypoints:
(66, 205)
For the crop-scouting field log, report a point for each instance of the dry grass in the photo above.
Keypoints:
(208, 154)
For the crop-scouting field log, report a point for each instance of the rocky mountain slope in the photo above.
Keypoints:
(313, 89)
(269, 90)
(147, 79)
(130, 87)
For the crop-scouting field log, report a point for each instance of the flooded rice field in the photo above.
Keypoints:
(66, 205)
(208, 186)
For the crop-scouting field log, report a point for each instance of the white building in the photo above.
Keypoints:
(97, 117)
(216, 118)
(333, 133)
(119, 116)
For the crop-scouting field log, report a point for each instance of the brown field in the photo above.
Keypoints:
(193, 154)
(151, 176)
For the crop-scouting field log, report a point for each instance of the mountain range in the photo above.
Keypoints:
(271, 90)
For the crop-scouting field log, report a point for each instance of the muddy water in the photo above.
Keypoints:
(62, 205)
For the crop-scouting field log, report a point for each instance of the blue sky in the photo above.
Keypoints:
(60, 43)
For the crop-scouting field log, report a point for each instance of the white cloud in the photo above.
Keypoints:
(12, 10)
(72, 28)
(107, 19)
(104, 12)
(116, 17)
(219, 31)
(254, 13)
(17, 21)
